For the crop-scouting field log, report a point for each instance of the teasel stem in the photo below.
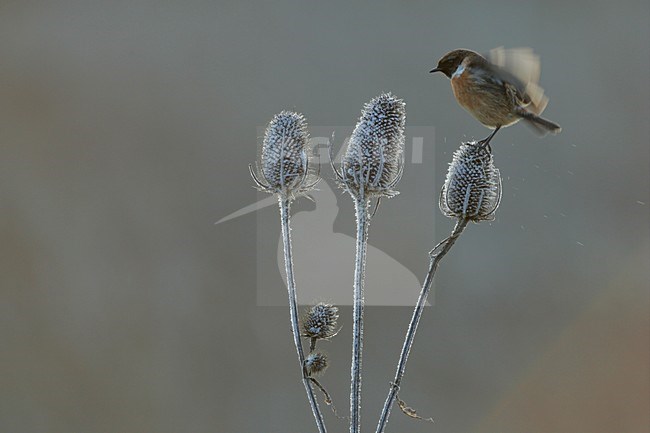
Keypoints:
(371, 168)
(285, 205)
(361, 205)
(435, 256)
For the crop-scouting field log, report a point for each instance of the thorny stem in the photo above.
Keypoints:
(361, 205)
(293, 310)
(435, 256)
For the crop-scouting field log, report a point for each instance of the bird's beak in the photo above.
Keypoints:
(435, 70)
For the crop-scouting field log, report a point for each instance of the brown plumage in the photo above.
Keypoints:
(498, 92)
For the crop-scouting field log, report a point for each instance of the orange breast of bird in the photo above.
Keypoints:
(486, 100)
(462, 86)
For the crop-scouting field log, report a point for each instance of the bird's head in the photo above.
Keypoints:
(450, 61)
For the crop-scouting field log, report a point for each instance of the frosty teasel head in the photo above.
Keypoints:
(374, 158)
(284, 161)
(472, 189)
(319, 322)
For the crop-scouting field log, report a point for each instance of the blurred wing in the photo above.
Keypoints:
(523, 65)
(520, 62)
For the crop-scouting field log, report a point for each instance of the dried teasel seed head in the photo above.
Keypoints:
(374, 158)
(285, 161)
(472, 189)
(320, 321)
(316, 363)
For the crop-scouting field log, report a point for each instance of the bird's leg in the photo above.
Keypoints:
(485, 143)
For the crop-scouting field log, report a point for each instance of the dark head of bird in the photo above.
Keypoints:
(450, 61)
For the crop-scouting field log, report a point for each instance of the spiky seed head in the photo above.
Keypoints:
(316, 363)
(320, 321)
(285, 159)
(473, 186)
(373, 161)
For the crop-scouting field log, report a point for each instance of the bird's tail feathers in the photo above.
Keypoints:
(540, 124)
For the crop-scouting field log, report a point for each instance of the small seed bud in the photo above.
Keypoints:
(373, 161)
(472, 189)
(315, 363)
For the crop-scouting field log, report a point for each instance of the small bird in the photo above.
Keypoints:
(498, 92)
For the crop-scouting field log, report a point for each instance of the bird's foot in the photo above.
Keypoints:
(485, 144)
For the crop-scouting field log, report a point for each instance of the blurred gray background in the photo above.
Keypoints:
(125, 132)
